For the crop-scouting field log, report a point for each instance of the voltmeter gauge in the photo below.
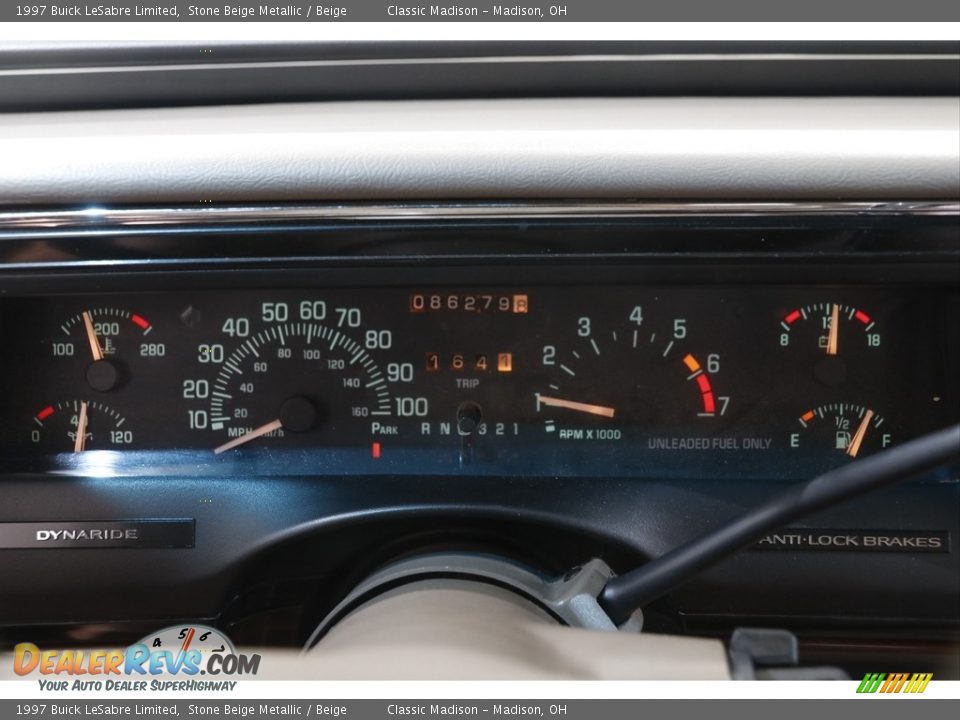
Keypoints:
(831, 335)
(829, 326)
(841, 429)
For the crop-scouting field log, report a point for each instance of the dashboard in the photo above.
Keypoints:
(261, 341)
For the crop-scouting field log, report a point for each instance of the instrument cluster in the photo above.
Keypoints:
(581, 380)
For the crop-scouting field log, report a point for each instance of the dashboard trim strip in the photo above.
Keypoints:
(492, 60)
(111, 217)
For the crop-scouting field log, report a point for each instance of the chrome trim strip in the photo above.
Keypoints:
(107, 218)
(469, 60)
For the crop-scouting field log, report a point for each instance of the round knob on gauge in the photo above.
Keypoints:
(297, 414)
(468, 418)
(102, 375)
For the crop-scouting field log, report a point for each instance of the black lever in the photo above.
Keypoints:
(624, 594)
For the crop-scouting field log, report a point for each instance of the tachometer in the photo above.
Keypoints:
(618, 378)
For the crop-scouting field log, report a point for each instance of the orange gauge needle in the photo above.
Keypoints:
(80, 440)
(95, 348)
(834, 330)
(854, 447)
(247, 437)
(578, 406)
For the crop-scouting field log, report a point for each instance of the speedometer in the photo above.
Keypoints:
(296, 378)
(291, 373)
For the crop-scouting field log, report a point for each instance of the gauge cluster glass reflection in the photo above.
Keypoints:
(547, 381)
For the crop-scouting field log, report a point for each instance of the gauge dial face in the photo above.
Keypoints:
(847, 429)
(183, 638)
(828, 327)
(107, 345)
(833, 338)
(188, 649)
(837, 355)
(297, 383)
(627, 378)
(80, 425)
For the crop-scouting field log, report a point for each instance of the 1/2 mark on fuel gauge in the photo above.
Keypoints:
(854, 430)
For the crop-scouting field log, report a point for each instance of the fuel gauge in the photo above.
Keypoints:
(842, 428)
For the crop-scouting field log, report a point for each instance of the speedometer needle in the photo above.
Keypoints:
(834, 330)
(247, 437)
(80, 441)
(578, 406)
(95, 348)
(854, 447)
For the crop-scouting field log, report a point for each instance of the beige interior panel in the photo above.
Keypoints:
(643, 148)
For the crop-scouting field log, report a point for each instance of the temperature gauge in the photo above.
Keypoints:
(108, 341)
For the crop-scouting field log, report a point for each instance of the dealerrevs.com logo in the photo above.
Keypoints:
(154, 663)
(889, 683)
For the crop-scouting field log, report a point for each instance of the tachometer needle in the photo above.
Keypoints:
(95, 348)
(834, 330)
(854, 447)
(80, 441)
(578, 406)
(247, 437)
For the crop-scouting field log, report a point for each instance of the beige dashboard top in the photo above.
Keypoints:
(653, 148)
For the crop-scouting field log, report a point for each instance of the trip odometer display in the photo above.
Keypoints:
(297, 379)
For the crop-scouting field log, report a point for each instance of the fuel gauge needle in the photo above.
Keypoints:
(80, 440)
(834, 330)
(95, 348)
(247, 437)
(854, 447)
(578, 406)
